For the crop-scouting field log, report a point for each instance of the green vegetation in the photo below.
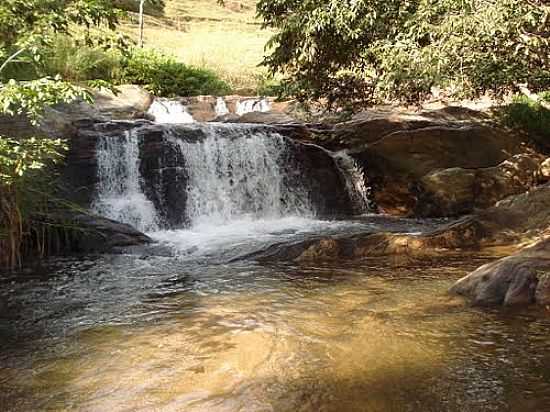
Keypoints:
(361, 52)
(164, 76)
(530, 115)
(26, 30)
(159, 73)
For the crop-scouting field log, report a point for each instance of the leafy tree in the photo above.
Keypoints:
(366, 51)
(26, 27)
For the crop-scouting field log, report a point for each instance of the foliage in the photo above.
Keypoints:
(268, 85)
(20, 156)
(80, 62)
(31, 98)
(27, 28)
(369, 51)
(163, 76)
(529, 115)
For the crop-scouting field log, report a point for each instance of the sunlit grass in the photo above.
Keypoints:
(227, 40)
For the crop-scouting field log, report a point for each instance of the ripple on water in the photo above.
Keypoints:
(121, 334)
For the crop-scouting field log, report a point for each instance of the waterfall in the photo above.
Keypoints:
(169, 111)
(119, 194)
(239, 175)
(354, 178)
(221, 107)
(253, 105)
(230, 172)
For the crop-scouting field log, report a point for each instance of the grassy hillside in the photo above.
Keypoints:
(227, 39)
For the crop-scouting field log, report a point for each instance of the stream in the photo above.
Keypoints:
(187, 324)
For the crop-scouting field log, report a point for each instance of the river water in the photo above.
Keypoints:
(191, 332)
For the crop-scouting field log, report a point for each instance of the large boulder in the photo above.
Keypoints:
(433, 163)
(456, 191)
(94, 234)
(128, 102)
(520, 279)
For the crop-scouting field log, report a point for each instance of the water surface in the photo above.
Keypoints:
(146, 333)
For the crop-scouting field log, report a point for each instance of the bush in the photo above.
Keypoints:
(163, 76)
(78, 62)
(529, 115)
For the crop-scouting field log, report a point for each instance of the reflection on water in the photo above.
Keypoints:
(126, 334)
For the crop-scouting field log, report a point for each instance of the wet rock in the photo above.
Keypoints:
(88, 233)
(520, 279)
(464, 234)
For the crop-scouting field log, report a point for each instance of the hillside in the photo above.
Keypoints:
(227, 39)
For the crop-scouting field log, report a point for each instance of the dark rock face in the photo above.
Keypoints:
(326, 187)
(99, 235)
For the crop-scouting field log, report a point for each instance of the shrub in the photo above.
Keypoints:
(164, 76)
(78, 62)
(529, 115)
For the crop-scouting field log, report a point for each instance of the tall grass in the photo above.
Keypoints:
(80, 62)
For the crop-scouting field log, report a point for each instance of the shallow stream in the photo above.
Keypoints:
(190, 332)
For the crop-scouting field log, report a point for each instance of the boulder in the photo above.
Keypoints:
(129, 102)
(520, 279)
(456, 191)
(94, 234)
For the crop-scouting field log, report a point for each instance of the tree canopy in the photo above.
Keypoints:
(366, 51)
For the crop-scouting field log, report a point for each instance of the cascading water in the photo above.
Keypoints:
(221, 107)
(169, 111)
(253, 105)
(355, 180)
(119, 194)
(240, 176)
(223, 187)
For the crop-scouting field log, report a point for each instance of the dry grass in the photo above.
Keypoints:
(228, 40)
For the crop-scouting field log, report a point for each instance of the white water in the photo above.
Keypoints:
(169, 111)
(237, 186)
(355, 179)
(244, 234)
(119, 194)
(239, 177)
(252, 105)
(221, 107)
